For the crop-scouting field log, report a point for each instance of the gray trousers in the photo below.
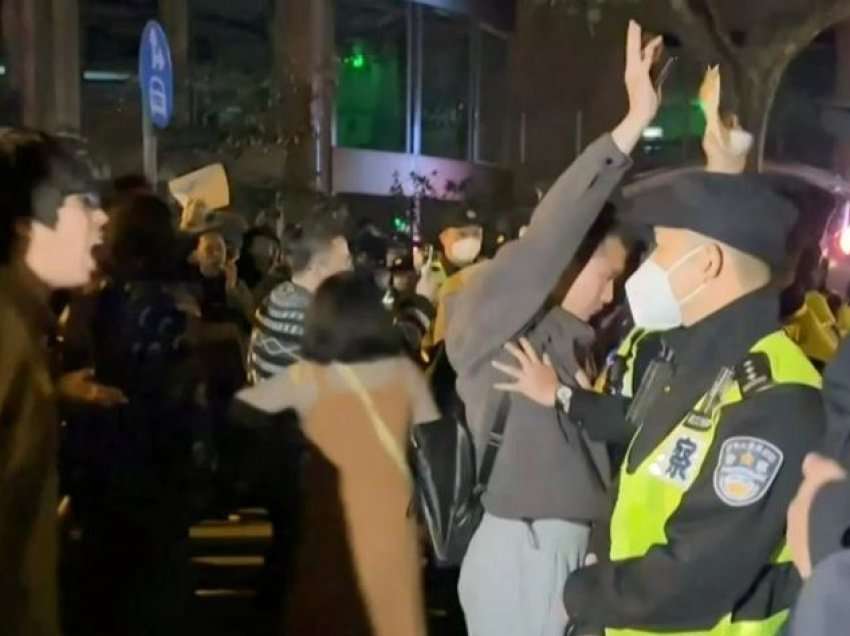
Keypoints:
(512, 578)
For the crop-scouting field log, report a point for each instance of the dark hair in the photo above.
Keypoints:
(346, 322)
(132, 184)
(28, 159)
(257, 233)
(607, 225)
(303, 242)
(140, 238)
(247, 268)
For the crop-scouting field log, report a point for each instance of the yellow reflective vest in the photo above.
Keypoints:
(617, 378)
(648, 497)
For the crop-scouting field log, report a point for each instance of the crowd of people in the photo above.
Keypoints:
(671, 464)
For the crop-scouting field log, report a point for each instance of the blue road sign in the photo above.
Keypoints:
(156, 74)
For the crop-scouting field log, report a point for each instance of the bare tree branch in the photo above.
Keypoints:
(696, 31)
(828, 14)
(722, 34)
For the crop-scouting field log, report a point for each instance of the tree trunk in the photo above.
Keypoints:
(307, 93)
(756, 88)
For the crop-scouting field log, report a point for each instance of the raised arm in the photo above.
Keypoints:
(511, 289)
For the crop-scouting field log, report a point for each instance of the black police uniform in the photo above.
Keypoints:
(717, 557)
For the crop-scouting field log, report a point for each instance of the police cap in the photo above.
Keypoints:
(742, 211)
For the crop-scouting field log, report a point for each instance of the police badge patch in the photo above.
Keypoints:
(745, 470)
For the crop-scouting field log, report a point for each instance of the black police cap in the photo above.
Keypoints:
(742, 211)
(459, 216)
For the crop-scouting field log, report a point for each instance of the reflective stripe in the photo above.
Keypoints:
(651, 495)
(626, 355)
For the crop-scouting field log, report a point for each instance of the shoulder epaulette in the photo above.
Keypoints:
(753, 374)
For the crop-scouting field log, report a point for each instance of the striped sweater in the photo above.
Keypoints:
(278, 330)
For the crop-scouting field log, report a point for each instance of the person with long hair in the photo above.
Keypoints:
(357, 565)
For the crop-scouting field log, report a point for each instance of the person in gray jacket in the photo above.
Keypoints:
(549, 482)
(819, 517)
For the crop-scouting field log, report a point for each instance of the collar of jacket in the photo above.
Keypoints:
(30, 295)
(564, 322)
(565, 338)
(725, 336)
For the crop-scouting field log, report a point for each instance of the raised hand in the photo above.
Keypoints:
(726, 144)
(644, 99)
(429, 282)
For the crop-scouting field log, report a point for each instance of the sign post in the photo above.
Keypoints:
(156, 77)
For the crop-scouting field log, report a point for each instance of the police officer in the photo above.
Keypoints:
(719, 425)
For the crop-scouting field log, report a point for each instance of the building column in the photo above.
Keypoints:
(65, 67)
(43, 47)
(26, 26)
(308, 69)
(175, 18)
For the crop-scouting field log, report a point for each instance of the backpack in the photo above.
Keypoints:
(447, 484)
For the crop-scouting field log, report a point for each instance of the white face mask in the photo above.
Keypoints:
(465, 251)
(652, 301)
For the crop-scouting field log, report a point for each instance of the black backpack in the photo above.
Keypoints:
(448, 488)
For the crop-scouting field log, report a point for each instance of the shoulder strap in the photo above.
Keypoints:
(494, 442)
(385, 437)
(497, 432)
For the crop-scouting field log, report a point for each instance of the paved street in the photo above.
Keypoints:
(226, 557)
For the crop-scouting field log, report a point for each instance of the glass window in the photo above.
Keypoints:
(10, 111)
(493, 102)
(231, 59)
(445, 84)
(371, 105)
(110, 104)
(676, 134)
(232, 36)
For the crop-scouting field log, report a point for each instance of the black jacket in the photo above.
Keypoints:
(716, 558)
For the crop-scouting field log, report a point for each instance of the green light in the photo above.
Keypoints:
(358, 60)
(400, 224)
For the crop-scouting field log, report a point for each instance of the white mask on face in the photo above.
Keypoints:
(652, 301)
(464, 251)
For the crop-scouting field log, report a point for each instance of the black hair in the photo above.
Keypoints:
(607, 225)
(141, 243)
(369, 247)
(132, 184)
(346, 322)
(303, 242)
(28, 160)
(246, 266)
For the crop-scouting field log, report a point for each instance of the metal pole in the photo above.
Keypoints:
(149, 152)
(579, 132)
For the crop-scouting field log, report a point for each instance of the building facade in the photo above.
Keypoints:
(342, 96)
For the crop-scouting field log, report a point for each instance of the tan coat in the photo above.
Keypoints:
(358, 567)
(28, 463)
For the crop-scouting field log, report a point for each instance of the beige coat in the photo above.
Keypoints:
(358, 566)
